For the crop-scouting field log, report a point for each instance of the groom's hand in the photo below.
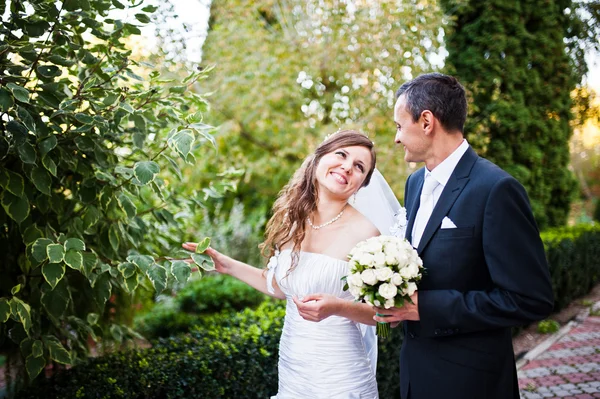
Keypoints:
(408, 311)
(317, 307)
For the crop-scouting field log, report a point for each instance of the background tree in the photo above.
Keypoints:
(88, 153)
(520, 61)
(290, 72)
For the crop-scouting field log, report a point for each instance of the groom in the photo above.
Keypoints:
(486, 269)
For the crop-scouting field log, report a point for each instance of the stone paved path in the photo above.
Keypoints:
(569, 368)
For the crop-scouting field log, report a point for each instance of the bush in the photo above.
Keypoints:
(237, 358)
(214, 293)
(574, 258)
(597, 211)
(235, 355)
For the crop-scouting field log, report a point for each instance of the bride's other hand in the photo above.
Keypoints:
(222, 262)
(317, 307)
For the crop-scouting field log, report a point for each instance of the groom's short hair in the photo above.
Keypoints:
(441, 94)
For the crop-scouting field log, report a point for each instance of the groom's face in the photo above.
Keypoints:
(409, 133)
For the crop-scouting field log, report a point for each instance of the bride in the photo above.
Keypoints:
(328, 347)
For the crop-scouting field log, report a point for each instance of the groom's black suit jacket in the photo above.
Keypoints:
(482, 278)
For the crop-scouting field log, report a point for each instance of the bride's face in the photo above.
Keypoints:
(343, 171)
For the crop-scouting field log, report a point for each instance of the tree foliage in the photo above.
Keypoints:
(520, 61)
(288, 73)
(89, 152)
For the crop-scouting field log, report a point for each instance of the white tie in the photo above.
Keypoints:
(425, 208)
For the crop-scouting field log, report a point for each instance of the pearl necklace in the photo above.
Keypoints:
(339, 215)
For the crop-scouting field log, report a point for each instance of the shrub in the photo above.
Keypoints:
(574, 258)
(214, 293)
(237, 358)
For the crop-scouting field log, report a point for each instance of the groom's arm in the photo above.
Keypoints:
(516, 261)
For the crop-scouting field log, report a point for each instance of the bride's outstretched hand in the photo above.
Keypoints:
(222, 262)
(317, 307)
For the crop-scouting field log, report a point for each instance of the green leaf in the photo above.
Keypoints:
(118, 4)
(53, 272)
(4, 310)
(204, 129)
(143, 18)
(174, 165)
(127, 205)
(182, 142)
(18, 131)
(203, 245)
(150, 9)
(49, 165)
(56, 253)
(181, 270)
(90, 217)
(56, 300)
(17, 208)
(74, 259)
(113, 237)
(146, 171)
(47, 144)
(15, 290)
(127, 269)
(204, 261)
(84, 143)
(102, 289)
(15, 183)
(126, 107)
(20, 93)
(31, 234)
(26, 118)
(74, 243)
(58, 60)
(27, 153)
(58, 353)
(42, 180)
(37, 349)
(49, 71)
(39, 249)
(36, 28)
(34, 365)
(92, 318)
(131, 283)
(158, 276)
(144, 262)
(84, 118)
(6, 100)
(116, 332)
(22, 311)
(90, 260)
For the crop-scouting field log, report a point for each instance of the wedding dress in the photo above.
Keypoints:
(335, 358)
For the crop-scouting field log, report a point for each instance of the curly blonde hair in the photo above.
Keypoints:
(298, 199)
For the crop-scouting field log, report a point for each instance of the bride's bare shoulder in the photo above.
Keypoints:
(361, 228)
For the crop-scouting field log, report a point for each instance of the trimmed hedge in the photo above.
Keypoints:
(214, 293)
(236, 356)
(232, 358)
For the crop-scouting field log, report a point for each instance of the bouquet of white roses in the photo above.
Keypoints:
(384, 271)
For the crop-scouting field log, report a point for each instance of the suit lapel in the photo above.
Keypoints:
(415, 201)
(457, 182)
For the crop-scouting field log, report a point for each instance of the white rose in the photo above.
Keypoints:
(387, 290)
(391, 259)
(397, 279)
(405, 273)
(377, 303)
(389, 303)
(374, 246)
(366, 259)
(412, 287)
(368, 276)
(384, 274)
(355, 291)
(355, 280)
(379, 259)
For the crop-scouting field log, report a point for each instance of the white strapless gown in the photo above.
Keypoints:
(334, 358)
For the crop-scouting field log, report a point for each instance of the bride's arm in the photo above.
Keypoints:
(317, 307)
(250, 275)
